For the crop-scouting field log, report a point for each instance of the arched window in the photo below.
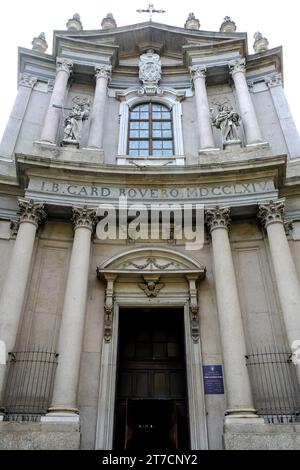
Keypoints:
(150, 131)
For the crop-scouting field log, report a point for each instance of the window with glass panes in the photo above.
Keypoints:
(150, 131)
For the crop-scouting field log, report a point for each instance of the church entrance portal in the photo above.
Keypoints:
(151, 397)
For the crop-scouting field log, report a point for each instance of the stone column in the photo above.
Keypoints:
(270, 215)
(30, 214)
(54, 113)
(64, 400)
(198, 74)
(102, 74)
(11, 133)
(238, 71)
(239, 397)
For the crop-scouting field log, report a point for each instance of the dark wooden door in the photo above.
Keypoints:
(151, 386)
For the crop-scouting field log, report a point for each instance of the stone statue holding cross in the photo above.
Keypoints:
(74, 121)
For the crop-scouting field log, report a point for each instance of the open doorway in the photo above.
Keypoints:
(151, 396)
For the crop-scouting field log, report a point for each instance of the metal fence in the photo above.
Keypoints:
(29, 384)
(275, 387)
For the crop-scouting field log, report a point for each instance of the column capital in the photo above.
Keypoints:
(273, 80)
(64, 65)
(103, 71)
(27, 80)
(271, 212)
(237, 65)
(217, 217)
(31, 212)
(84, 217)
(197, 71)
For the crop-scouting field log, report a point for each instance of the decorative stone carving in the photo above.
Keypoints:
(228, 26)
(288, 227)
(296, 352)
(50, 85)
(193, 306)
(274, 80)
(197, 71)
(39, 43)
(74, 23)
(218, 217)
(260, 44)
(84, 217)
(103, 71)
(150, 72)
(65, 65)
(108, 22)
(228, 122)
(27, 80)
(270, 212)
(30, 211)
(14, 227)
(109, 307)
(151, 287)
(192, 22)
(237, 65)
(152, 264)
(74, 121)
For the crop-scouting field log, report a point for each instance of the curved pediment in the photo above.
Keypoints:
(151, 261)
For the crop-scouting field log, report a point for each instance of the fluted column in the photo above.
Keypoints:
(270, 215)
(239, 397)
(31, 215)
(252, 131)
(63, 70)
(198, 74)
(102, 74)
(64, 400)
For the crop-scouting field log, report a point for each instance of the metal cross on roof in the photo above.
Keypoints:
(151, 10)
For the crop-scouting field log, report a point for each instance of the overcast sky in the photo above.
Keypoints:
(22, 20)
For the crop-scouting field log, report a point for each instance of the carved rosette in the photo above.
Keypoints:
(64, 65)
(219, 217)
(274, 80)
(103, 71)
(31, 212)
(197, 71)
(270, 213)
(238, 65)
(27, 80)
(84, 217)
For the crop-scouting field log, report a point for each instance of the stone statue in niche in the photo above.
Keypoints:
(228, 121)
(74, 121)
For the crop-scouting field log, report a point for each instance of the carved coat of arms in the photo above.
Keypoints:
(150, 71)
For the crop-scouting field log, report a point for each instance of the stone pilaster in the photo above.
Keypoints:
(64, 400)
(30, 216)
(252, 131)
(64, 69)
(238, 391)
(270, 215)
(102, 74)
(198, 75)
(12, 129)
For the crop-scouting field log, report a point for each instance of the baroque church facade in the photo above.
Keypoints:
(111, 339)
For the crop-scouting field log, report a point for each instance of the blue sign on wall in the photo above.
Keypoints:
(213, 380)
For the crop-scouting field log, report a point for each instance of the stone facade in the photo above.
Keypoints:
(62, 287)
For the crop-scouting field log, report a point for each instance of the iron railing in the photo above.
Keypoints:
(275, 387)
(29, 384)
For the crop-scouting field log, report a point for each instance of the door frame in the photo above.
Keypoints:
(108, 376)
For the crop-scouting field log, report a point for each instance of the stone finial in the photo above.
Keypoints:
(39, 43)
(260, 44)
(192, 22)
(74, 23)
(108, 22)
(228, 26)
